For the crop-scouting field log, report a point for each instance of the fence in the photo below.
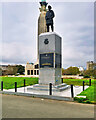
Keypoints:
(50, 87)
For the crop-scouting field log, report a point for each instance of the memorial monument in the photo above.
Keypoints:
(49, 52)
(50, 62)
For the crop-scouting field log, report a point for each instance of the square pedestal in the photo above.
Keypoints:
(50, 58)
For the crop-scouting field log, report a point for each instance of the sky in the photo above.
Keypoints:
(74, 22)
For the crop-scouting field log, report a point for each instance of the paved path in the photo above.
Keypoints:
(28, 107)
(65, 93)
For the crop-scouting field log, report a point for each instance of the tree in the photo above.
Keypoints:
(21, 69)
(0, 71)
(12, 70)
(71, 71)
(63, 71)
(89, 73)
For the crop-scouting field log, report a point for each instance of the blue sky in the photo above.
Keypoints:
(74, 22)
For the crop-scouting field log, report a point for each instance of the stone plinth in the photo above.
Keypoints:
(50, 58)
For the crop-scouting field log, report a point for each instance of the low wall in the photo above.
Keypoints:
(72, 76)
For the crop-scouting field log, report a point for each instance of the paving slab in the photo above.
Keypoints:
(65, 93)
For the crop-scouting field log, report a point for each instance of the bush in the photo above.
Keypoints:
(80, 100)
(94, 77)
(86, 76)
(88, 101)
(83, 100)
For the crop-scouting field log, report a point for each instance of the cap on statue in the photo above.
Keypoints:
(43, 0)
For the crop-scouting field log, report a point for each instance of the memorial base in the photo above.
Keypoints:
(55, 88)
(50, 58)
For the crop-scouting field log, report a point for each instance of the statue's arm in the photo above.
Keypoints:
(53, 15)
(46, 17)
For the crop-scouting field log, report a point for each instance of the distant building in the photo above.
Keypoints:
(81, 68)
(91, 65)
(32, 69)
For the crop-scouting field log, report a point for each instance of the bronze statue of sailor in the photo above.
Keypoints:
(49, 18)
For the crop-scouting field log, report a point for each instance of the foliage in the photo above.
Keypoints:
(0, 71)
(62, 71)
(12, 70)
(20, 69)
(71, 71)
(9, 82)
(86, 76)
(80, 100)
(90, 73)
(83, 100)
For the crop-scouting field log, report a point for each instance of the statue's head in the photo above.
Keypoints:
(49, 7)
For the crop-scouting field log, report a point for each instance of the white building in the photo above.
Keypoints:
(32, 70)
(81, 68)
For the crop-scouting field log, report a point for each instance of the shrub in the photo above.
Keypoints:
(80, 100)
(86, 76)
(88, 101)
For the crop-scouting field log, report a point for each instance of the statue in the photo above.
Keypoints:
(49, 18)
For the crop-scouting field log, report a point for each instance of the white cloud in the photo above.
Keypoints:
(73, 21)
(0, 30)
(18, 53)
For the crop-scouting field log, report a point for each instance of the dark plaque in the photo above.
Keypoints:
(57, 61)
(47, 60)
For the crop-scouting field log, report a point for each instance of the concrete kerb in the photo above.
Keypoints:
(38, 96)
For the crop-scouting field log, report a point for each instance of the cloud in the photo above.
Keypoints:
(0, 30)
(19, 33)
(76, 27)
(18, 53)
(73, 21)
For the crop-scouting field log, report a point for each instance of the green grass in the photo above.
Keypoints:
(78, 82)
(9, 82)
(90, 93)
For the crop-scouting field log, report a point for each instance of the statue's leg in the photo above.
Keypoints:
(47, 28)
(52, 27)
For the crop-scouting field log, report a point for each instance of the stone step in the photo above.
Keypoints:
(41, 89)
(46, 86)
(58, 88)
(64, 88)
(40, 86)
(61, 85)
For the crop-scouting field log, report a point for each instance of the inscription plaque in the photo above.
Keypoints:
(47, 60)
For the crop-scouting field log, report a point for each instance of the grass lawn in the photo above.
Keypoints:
(90, 93)
(78, 82)
(9, 82)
